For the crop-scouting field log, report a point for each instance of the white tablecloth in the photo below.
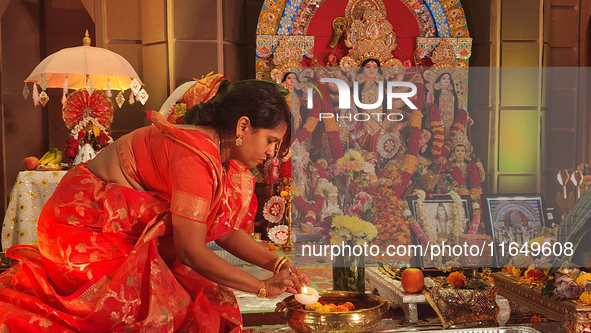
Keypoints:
(31, 191)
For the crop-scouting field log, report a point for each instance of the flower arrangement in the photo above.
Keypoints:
(361, 206)
(570, 283)
(352, 173)
(352, 230)
(539, 260)
(457, 279)
(345, 194)
(330, 193)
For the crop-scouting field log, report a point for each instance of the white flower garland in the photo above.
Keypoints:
(459, 216)
(82, 123)
(428, 227)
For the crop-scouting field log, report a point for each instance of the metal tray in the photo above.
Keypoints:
(511, 329)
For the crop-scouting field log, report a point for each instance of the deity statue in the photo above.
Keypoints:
(368, 65)
(286, 60)
(444, 95)
(444, 90)
(291, 82)
(459, 159)
(462, 156)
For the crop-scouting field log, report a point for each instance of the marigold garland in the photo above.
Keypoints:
(310, 208)
(322, 105)
(389, 219)
(438, 131)
(411, 159)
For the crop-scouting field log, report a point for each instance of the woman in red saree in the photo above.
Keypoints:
(122, 241)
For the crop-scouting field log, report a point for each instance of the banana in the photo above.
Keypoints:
(50, 157)
(58, 158)
(44, 156)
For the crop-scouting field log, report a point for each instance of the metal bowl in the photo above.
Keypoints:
(365, 319)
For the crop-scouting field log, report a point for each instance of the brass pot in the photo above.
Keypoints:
(365, 319)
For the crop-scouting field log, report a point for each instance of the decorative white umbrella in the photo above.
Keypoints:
(85, 67)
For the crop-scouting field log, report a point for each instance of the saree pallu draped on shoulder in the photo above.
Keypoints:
(100, 268)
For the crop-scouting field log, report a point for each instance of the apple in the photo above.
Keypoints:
(412, 280)
(31, 163)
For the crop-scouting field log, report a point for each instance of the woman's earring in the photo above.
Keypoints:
(238, 142)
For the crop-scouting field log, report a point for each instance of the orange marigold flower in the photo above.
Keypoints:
(516, 271)
(538, 319)
(455, 276)
(349, 305)
(585, 297)
(340, 308)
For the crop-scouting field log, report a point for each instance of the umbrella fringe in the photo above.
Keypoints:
(65, 90)
(35, 94)
(109, 94)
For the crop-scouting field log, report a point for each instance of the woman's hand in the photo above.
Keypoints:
(300, 279)
(280, 283)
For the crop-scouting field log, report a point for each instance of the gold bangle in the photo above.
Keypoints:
(281, 265)
(263, 291)
(278, 262)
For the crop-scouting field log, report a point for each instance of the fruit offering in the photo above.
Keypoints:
(31, 163)
(330, 307)
(412, 280)
(53, 156)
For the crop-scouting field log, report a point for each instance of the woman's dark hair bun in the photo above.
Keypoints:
(260, 101)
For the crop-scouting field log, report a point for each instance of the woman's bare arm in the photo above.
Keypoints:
(191, 249)
(243, 246)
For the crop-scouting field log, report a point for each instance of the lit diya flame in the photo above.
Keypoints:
(308, 296)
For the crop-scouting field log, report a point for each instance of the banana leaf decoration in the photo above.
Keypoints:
(575, 226)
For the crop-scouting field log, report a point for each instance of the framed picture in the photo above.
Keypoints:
(437, 212)
(514, 219)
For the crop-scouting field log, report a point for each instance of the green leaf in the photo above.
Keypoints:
(548, 289)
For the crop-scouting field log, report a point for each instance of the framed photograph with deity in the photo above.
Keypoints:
(443, 219)
(515, 219)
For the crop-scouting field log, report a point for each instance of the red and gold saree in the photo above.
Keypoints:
(106, 260)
